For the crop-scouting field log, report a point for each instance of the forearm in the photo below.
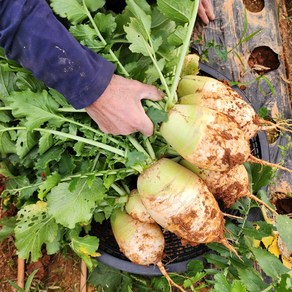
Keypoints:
(32, 36)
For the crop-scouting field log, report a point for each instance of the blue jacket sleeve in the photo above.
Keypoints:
(32, 36)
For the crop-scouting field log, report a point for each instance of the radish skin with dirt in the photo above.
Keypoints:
(228, 186)
(205, 137)
(179, 201)
(141, 242)
(136, 209)
(217, 95)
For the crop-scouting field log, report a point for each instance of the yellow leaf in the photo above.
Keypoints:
(267, 241)
(85, 252)
(273, 248)
(287, 262)
(256, 243)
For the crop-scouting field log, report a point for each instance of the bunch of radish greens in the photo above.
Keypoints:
(63, 174)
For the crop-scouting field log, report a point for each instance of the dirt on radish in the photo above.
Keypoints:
(179, 201)
(205, 137)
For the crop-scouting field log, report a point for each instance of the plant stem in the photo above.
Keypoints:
(103, 40)
(150, 150)
(138, 147)
(183, 52)
(84, 140)
(71, 110)
(118, 189)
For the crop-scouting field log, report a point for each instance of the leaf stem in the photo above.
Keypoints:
(84, 140)
(183, 52)
(150, 149)
(71, 110)
(72, 137)
(92, 130)
(5, 108)
(12, 129)
(126, 171)
(68, 109)
(125, 72)
(138, 147)
(118, 189)
(155, 63)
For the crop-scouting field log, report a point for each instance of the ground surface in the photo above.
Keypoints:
(59, 273)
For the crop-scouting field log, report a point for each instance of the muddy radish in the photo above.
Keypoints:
(205, 137)
(179, 201)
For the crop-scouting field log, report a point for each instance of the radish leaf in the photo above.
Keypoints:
(34, 227)
(70, 9)
(284, 223)
(179, 11)
(70, 207)
(270, 264)
(94, 5)
(85, 247)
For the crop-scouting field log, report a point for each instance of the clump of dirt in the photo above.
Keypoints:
(254, 5)
(8, 264)
(8, 257)
(263, 59)
(61, 272)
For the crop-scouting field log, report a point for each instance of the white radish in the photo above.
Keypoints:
(179, 201)
(217, 95)
(228, 186)
(136, 209)
(205, 137)
(142, 243)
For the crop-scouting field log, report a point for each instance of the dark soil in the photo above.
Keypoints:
(263, 59)
(8, 264)
(254, 5)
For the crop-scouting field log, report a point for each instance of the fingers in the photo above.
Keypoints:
(206, 11)
(145, 126)
(150, 92)
(119, 110)
(202, 14)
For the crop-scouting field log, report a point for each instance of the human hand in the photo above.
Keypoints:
(119, 110)
(206, 11)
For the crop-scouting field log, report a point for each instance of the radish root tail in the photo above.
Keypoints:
(282, 126)
(230, 247)
(254, 159)
(169, 280)
(255, 198)
(231, 216)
